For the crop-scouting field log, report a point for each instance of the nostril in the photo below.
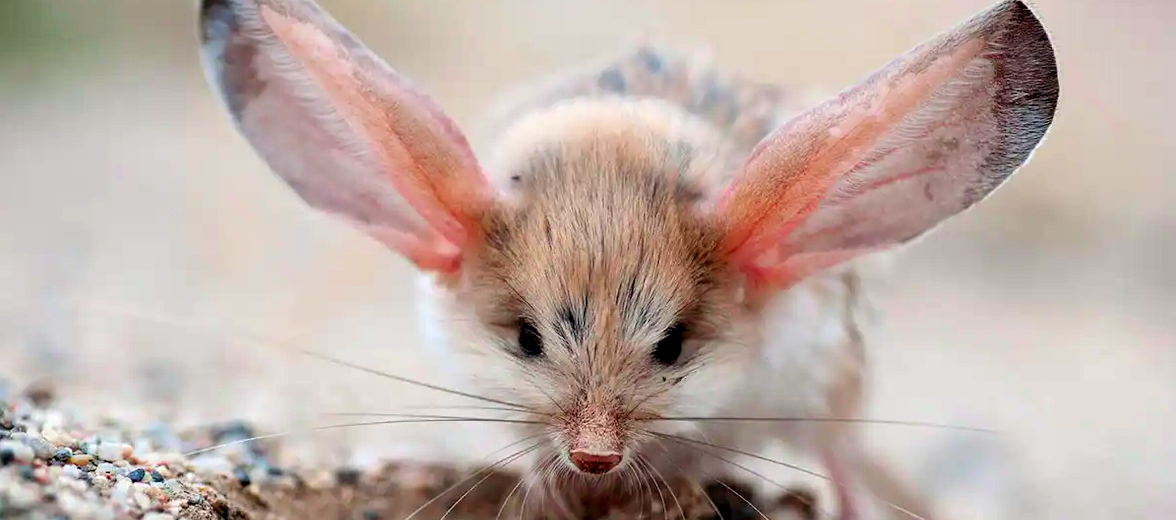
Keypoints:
(595, 463)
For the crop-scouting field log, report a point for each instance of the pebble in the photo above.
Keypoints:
(58, 437)
(101, 483)
(15, 451)
(156, 494)
(157, 474)
(62, 454)
(242, 476)
(348, 476)
(158, 516)
(121, 491)
(111, 451)
(105, 468)
(174, 486)
(23, 497)
(81, 460)
(41, 448)
(136, 474)
(142, 501)
(70, 470)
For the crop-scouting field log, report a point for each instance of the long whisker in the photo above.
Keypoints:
(115, 310)
(506, 500)
(543, 475)
(651, 395)
(642, 483)
(740, 495)
(402, 379)
(213, 424)
(470, 407)
(652, 483)
(548, 396)
(658, 474)
(763, 477)
(429, 416)
(794, 467)
(551, 475)
(488, 470)
(526, 497)
(697, 486)
(744, 499)
(661, 496)
(483, 479)
(744, 453)
(316, 429)
(918, 424)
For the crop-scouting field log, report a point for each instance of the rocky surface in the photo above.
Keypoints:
(59, 463)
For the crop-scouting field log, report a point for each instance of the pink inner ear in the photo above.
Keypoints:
(407, 139)
(795, 166)
(440, 255)
(338, 77)
(821, 190)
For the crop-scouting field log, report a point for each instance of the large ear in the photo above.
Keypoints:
(919, 141)
(347, 133)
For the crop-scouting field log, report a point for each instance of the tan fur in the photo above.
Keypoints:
(608, 215)
(605, 223)
(601, 190)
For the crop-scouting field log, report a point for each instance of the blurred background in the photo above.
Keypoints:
(146, 253)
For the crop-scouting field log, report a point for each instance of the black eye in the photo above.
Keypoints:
(670, 347)
(530, 341)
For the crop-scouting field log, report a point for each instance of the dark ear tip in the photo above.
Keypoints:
(216, 10)
(1027, 86)
(1034, 64)
(207, 6)
(213, 17)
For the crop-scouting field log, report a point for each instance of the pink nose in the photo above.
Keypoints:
(593, 463)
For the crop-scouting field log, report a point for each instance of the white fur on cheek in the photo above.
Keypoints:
(803, 332)
(799, 337)
(430, 320)
(469, 352)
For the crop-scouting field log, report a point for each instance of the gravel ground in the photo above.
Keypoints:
(62, 463)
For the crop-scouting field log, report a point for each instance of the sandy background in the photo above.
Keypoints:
(141, 241)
